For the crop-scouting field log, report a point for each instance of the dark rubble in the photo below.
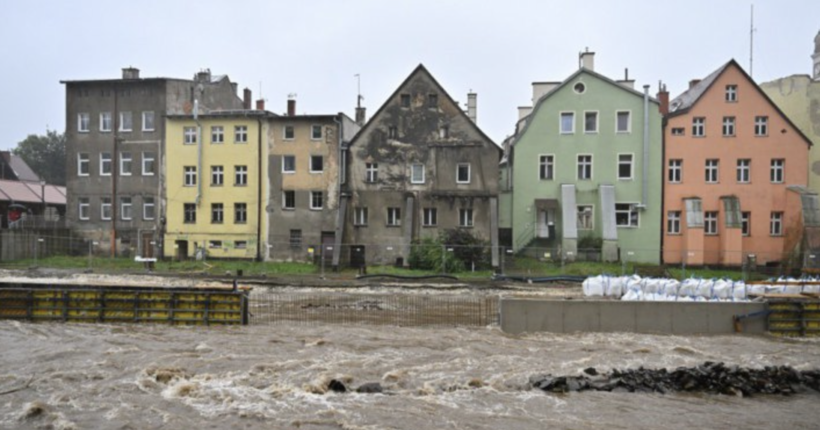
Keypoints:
(710, 377)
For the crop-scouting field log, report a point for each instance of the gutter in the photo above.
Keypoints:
(259, 193)
(645, 163)
(198, 153)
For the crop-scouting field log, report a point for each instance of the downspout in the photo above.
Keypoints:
(198, 153)
(114, 172)
(645, 163)
(259, 193)
(341, 176)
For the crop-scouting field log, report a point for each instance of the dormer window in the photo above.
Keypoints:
(731, 93)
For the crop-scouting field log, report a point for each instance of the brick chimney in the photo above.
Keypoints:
(587, 60)
(693, 82)
(130, 73)
(246, 99)
(291, 107)
(663, 99)
(260, 104)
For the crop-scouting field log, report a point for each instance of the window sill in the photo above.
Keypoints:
(462, 183)
(626, 226)
(83, 131)
(217, 143)
(359, 225)
(317, 172)
(240, 185)
(392, 225)
(289, 209)
(673, 234)
(625, 132)
(429, 226)
(316, 209)
(626, 179)
(288, 172)
(148, 131)
(125, 174)
(566, 133)
(216, 185)
(241, 143)
(590, 132)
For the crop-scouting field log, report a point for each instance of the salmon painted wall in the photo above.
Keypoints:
(760, 196)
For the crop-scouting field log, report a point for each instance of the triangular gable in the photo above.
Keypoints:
(421, 69)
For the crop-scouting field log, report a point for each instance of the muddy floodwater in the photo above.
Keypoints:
(88, 376)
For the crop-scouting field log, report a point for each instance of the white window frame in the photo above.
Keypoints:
(776, 224)
(83, 122)
(469, 173)
(578, 167)
(761, 126)
(126, 205)
(729, 126)
(744, 171)
(240, 175)
(83, 160)
(394, 217)
(360, 216)
(746, 224)
(313, 128)
(189, 135)
(314, 198)
(146, 157)
(371, 173)
(698, 126)
(678, 131)
(777, 170)
(312, 157)
(712, 178)
(628, 122)
(189, 176)
(416, 168)
(673, 222)
(148, 202)
(145, 120)
(106, 122)
(675, 171)
(217, 134)
(631, 166)
(217, 176)
(126, 159)
(561, 122)
(466, 218)
(591, 216)
(429, 217)
(240, 134)
(710, 223)
(285, 132)
(597, 118)
(123, 123)
(285, 205)
(105, 206)
(103, 161)
(633, 209)
(285, 169)
(83, 207)
(546, 164)
(731, 93)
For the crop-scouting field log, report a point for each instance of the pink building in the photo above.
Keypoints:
(736, 169)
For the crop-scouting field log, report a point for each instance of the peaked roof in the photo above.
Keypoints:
(418, 70)
(19, 167)
(689, 98)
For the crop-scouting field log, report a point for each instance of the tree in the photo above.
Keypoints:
(45, 155)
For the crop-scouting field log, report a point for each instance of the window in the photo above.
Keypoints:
(296, 239)
(190, 213)
(240, 134)
(711, 171)
(776, 224)
(148, 212)
(288, 164)
(289, 199)
(240, 244)
(584, 167)
(240, 174)
(429, 217)
(626, 215)
(590, 122)
(83, 122)
(214, 244)
(125, 208)
(148, 121)
(105, 208)
(217, 134)
(743, 170)
(625, 166)
(126, 163)
(189, 135)
(465, 217)
(673, 222)
(761, 126)
(731, 93)
(105, 121)
(678, 131)
(393, 216)
(710, 223)
(105, 164)
(288, 133)
(82, 208)
(316, 132)
(189, 176)
(392, 132)
(745, 223)
(432, 100)
(694, 212)
(728, 126)
(546, 167)
(126, 121)
(316, 164)
(623, 123)
(777, 172)
(217, 176)
(360, 216)
(444, 132)
(316, 200)
(463, 173)
(217, 213)
(405, 100)
(371, 172)
(240, 213)
(698, 126)
(83, 164)
(675, 172)
(584, 217)
(567, 122)
(148, 166)
(579, 88)
(417, 173)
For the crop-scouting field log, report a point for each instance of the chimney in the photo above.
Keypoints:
(246, 99)
(626, 82)
(587, 60)
(541, 88)
(361, 117)
(291, 107)
(130, 73)
(260, 104)
(663, 99)
(693, 82)
(203, 75)
(234, 87)
(523, 111)
(472, 106)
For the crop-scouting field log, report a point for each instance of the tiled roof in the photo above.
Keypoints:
(30, 192)
(683, 102)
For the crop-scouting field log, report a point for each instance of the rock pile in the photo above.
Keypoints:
(713, 378)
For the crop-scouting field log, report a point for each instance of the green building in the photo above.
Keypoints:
(582, 176)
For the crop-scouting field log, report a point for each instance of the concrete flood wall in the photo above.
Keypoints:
(684, 318)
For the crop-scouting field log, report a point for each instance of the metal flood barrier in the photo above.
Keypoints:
(178, 306)
(794, 318)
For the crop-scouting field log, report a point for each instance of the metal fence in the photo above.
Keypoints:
(406, 310)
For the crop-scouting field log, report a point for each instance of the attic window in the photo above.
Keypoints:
(678, 131)
(405, 100)
(580, 88)
(444, 131)
(432, 100)
(392, 132)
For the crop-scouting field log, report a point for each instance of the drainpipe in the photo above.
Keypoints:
(259, 193)
(645, 164)
(114, 164)
(198, 153)
(337, 251)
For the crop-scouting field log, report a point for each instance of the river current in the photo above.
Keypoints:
(88, 376)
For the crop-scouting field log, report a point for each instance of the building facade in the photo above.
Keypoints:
(731, 157)
(583, 170)
(418, 167)
(216, 184)
(114, 153)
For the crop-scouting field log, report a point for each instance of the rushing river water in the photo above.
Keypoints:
(88, 376)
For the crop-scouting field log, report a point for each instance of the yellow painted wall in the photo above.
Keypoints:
(227, 154)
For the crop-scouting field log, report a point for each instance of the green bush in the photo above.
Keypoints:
(466, 251)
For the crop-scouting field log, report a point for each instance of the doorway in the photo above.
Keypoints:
(545, 227)
(182, 249)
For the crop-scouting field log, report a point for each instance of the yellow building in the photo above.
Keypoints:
(216, 184)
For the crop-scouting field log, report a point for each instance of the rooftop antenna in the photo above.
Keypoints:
(359, 96)
(752, 30)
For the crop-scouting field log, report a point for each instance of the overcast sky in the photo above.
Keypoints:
(315, 47)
